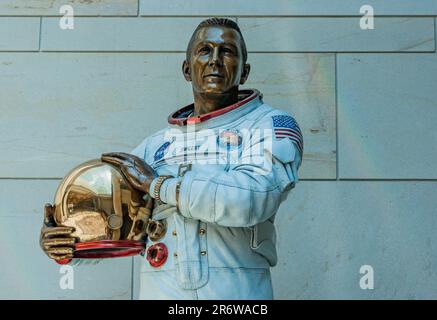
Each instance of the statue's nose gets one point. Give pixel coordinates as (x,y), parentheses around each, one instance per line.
(215,57)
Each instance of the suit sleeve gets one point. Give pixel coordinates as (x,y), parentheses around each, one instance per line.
(249,193)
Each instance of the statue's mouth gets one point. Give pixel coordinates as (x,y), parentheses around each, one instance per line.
(214,75)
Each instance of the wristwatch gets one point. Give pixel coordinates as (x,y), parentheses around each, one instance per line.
(156,190)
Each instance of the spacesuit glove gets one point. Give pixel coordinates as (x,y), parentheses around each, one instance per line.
(56,242)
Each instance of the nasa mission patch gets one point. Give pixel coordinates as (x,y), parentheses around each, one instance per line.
(159,154)
(229,139)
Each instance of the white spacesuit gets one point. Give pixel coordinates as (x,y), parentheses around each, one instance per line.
(233,167)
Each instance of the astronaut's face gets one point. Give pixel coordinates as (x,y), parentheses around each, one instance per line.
(216,62)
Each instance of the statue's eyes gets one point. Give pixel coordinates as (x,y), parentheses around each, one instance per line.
(204,49)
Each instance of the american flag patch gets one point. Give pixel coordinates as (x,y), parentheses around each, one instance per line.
(287,127)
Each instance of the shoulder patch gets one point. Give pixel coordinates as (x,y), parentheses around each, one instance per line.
(285,127)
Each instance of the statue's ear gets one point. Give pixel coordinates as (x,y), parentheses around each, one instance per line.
(245,73)
(186,70)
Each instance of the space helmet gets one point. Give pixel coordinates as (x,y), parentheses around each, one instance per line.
(100,204)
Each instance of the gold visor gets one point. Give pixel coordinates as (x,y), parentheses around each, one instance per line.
(96,200)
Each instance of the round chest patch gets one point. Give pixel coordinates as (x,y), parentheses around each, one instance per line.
(159,154)
(229,139)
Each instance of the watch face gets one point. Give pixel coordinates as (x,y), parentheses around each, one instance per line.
(96,200)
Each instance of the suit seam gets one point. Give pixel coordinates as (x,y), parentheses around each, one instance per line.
(214,204)
(242,187)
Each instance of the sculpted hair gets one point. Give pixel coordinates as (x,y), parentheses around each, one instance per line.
(218,22)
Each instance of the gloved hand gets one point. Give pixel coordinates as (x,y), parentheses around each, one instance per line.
(56,242)
(138,173)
